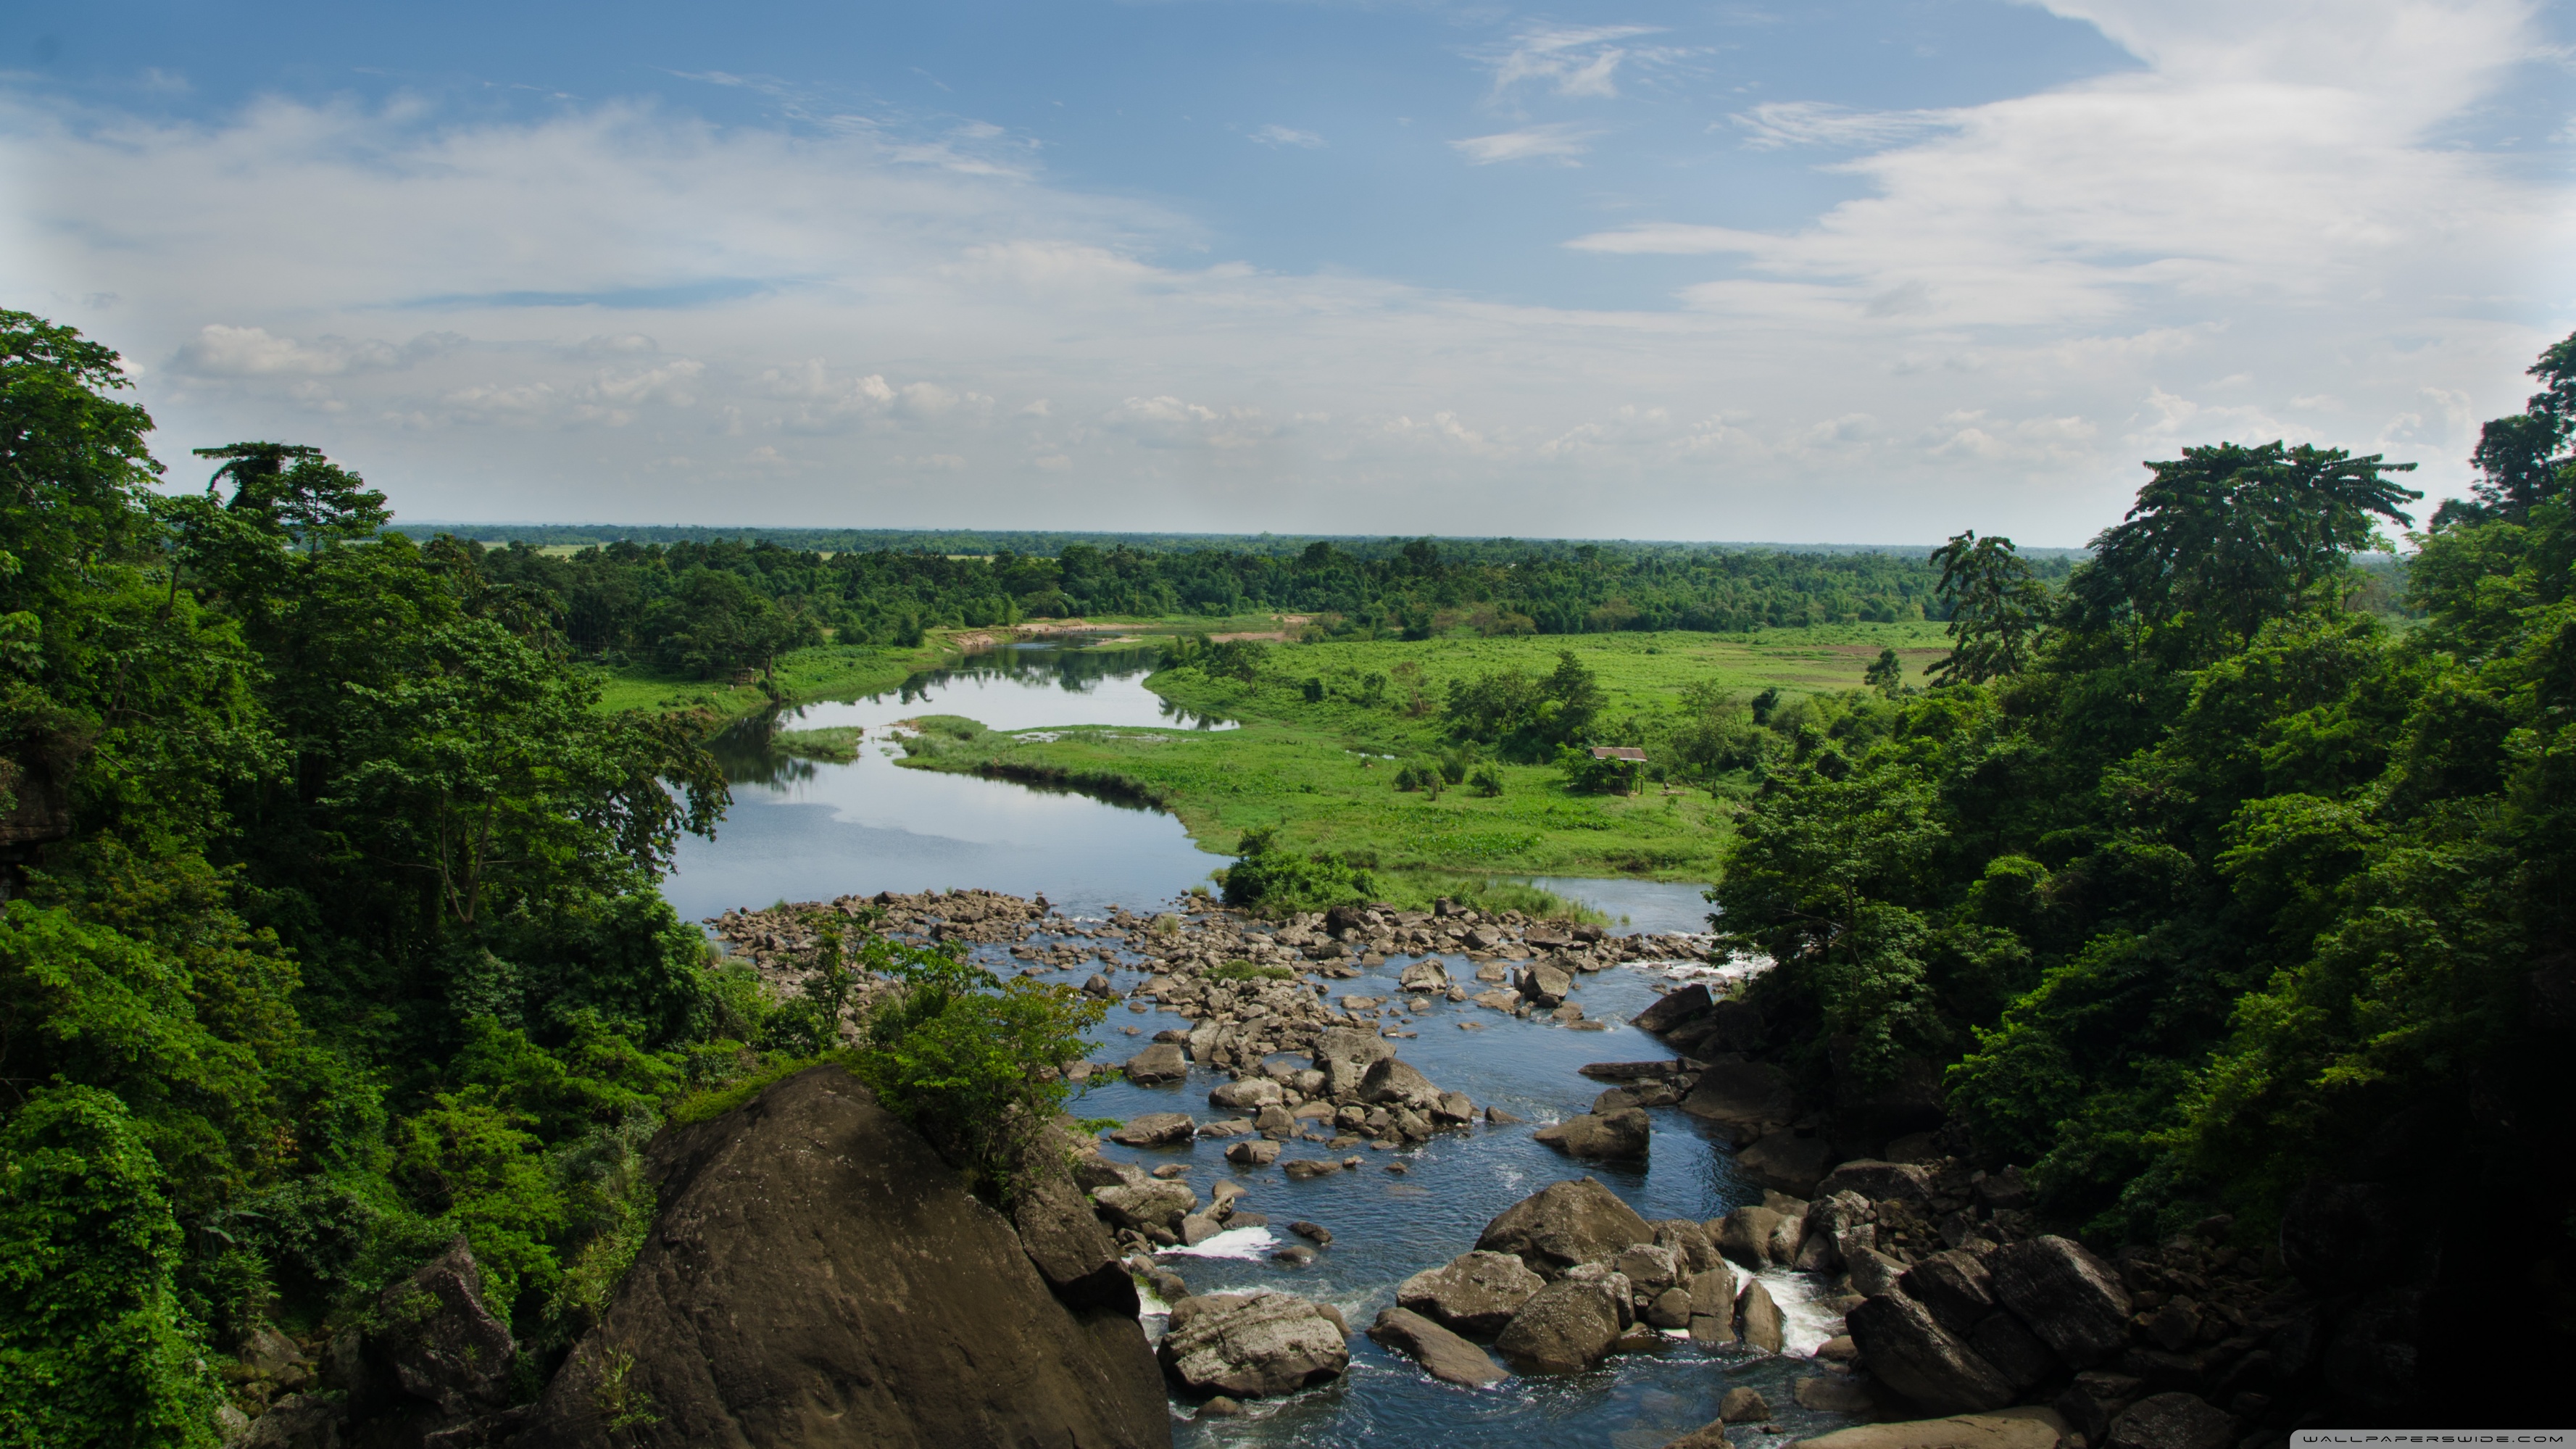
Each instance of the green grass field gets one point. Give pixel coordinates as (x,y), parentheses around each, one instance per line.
(1318,772)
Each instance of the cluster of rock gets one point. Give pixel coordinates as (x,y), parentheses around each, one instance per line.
(1353,1089)
(1568,1276)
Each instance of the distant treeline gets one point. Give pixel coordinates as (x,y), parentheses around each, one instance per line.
(1049,543)
(715,607)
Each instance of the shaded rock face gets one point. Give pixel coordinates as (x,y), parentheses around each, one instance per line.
(1879,1180)
(1563,1224)
(1161,1062)
(1910,1352)
(1252,1345)
(2172,1421)
(2070,1298)
(1069,1247)
(1672,1009)
(1477,1293)
(816,1277)
(1785,1163)
(1744,1235)
(439,1340)
(1749,1097)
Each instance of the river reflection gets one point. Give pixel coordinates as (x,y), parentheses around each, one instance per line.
(811,830)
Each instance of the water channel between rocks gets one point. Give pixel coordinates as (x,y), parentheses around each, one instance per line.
(803,830)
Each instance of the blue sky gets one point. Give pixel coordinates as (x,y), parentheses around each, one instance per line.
(1849,272)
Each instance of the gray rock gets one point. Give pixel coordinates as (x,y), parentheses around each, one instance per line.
(1711,1435)
(1785,1161)
(1424,976)
(1197,1228)
(1260,1152)
(2172,1421)
(1672,1009)
(1275,1121)
(2005,1191)
(1621,1136)
(1544,984)
(1476,1293)
(441,1343)
(1067,1245)
(1689,1240)
(2015,1351)
(1566,1327)
(1343,1055)
(1713,1294)
(1306,1167)
(1762,1322)
(1832,1394)
(1955,1286)
(1563,1224)
(1453,1108)
(1315,1233)
(1295,1255)
(1744,1235)
(1873,1272)
(1255,1345)
(1877,1181)
(1443,1355)
(1161,1062)
(1390,1082)
(1156,1129)
(1651,1267)
(1743,1405)
(1249,1095)
(1730,1026)
(2065,1295)
(1750,1098)
(297,1421)
(1910,1352)
(1154,1204)
(1670,1309)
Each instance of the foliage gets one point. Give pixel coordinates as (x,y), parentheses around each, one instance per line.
(1997,608)
(2223,888)
(1247,971)
(1275,880)
(95,1349)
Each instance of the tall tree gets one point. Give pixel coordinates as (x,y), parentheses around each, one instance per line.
(1997,608)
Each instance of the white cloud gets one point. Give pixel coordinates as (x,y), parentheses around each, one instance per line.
(619,311)
(1278,135)
(1557,140)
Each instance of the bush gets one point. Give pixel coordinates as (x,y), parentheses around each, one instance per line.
(1487,780)
(1247,971)
(1275,881)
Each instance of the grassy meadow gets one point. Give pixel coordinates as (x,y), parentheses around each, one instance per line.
(1323,774)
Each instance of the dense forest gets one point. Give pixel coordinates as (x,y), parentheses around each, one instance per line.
(331,931)
(2201,892)
(711,608)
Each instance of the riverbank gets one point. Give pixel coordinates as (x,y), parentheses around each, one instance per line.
(1318,753)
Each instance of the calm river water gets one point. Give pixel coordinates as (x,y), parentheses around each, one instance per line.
(805,831)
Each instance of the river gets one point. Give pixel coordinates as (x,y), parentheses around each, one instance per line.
(801,830)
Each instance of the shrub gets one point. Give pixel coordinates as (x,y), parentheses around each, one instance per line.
(1487,780)
(1247,971)
(1275,881)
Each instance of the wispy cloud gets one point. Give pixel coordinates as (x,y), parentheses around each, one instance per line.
(1278,135)
(1577,61)
(1779,124)
(1557,140)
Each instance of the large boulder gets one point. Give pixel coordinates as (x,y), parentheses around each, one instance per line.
(817,1276)
(1729,1026)
(1879,1181)
(1161,1062)
(1151,1204)
(1544,984)
(1251,1345)
(1620,1136)
(1750,1098)
(1744,1235)
(1764,1326)
(1390,1082)
(1671,1010)
(1343,1055)
(1565,1328)
(1422,976)
(1910,1352)
(1249,1095)
(1955,1286)
(1066,1243)
(1476,1293)
(2172,1421)
(2068,1297)
(1157,1129)
(439,1341)
(1785,1162)
(1443,1355)
(1563,1224)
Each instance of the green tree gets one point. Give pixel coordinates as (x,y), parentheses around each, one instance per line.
(1998,609)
